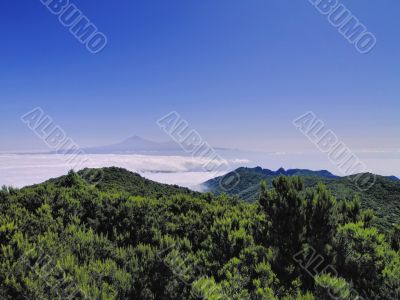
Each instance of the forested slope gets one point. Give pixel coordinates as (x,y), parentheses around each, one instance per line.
(383,197)
(70,239)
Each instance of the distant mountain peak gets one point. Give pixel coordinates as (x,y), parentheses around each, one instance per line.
(137,144)
(281,171)
(138,138)
(134,137)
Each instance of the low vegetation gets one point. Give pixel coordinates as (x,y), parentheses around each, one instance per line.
(383,197)
(129,238)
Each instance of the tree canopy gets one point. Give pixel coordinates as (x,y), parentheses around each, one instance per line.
(124,239)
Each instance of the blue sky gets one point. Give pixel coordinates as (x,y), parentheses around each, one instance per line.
(238,71)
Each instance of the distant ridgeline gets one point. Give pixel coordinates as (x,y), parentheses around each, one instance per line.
(111,234)
(383,197)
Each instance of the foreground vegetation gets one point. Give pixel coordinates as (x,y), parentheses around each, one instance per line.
(67,239)
(383,197)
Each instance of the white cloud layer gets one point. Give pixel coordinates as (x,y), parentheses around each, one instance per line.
(25,169)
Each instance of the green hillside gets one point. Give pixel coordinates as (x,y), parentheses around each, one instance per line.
(129,238)
(383,197)
(118,180)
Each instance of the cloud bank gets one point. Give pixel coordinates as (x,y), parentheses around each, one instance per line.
(19,170)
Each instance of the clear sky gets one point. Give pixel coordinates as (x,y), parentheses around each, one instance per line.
(238,71)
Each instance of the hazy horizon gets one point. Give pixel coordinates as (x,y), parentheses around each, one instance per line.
(238,73)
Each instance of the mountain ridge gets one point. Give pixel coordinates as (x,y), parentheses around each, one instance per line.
(383,197)
(121,180)
(135,144)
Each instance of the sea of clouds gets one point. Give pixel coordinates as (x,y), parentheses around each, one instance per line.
(20,170)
